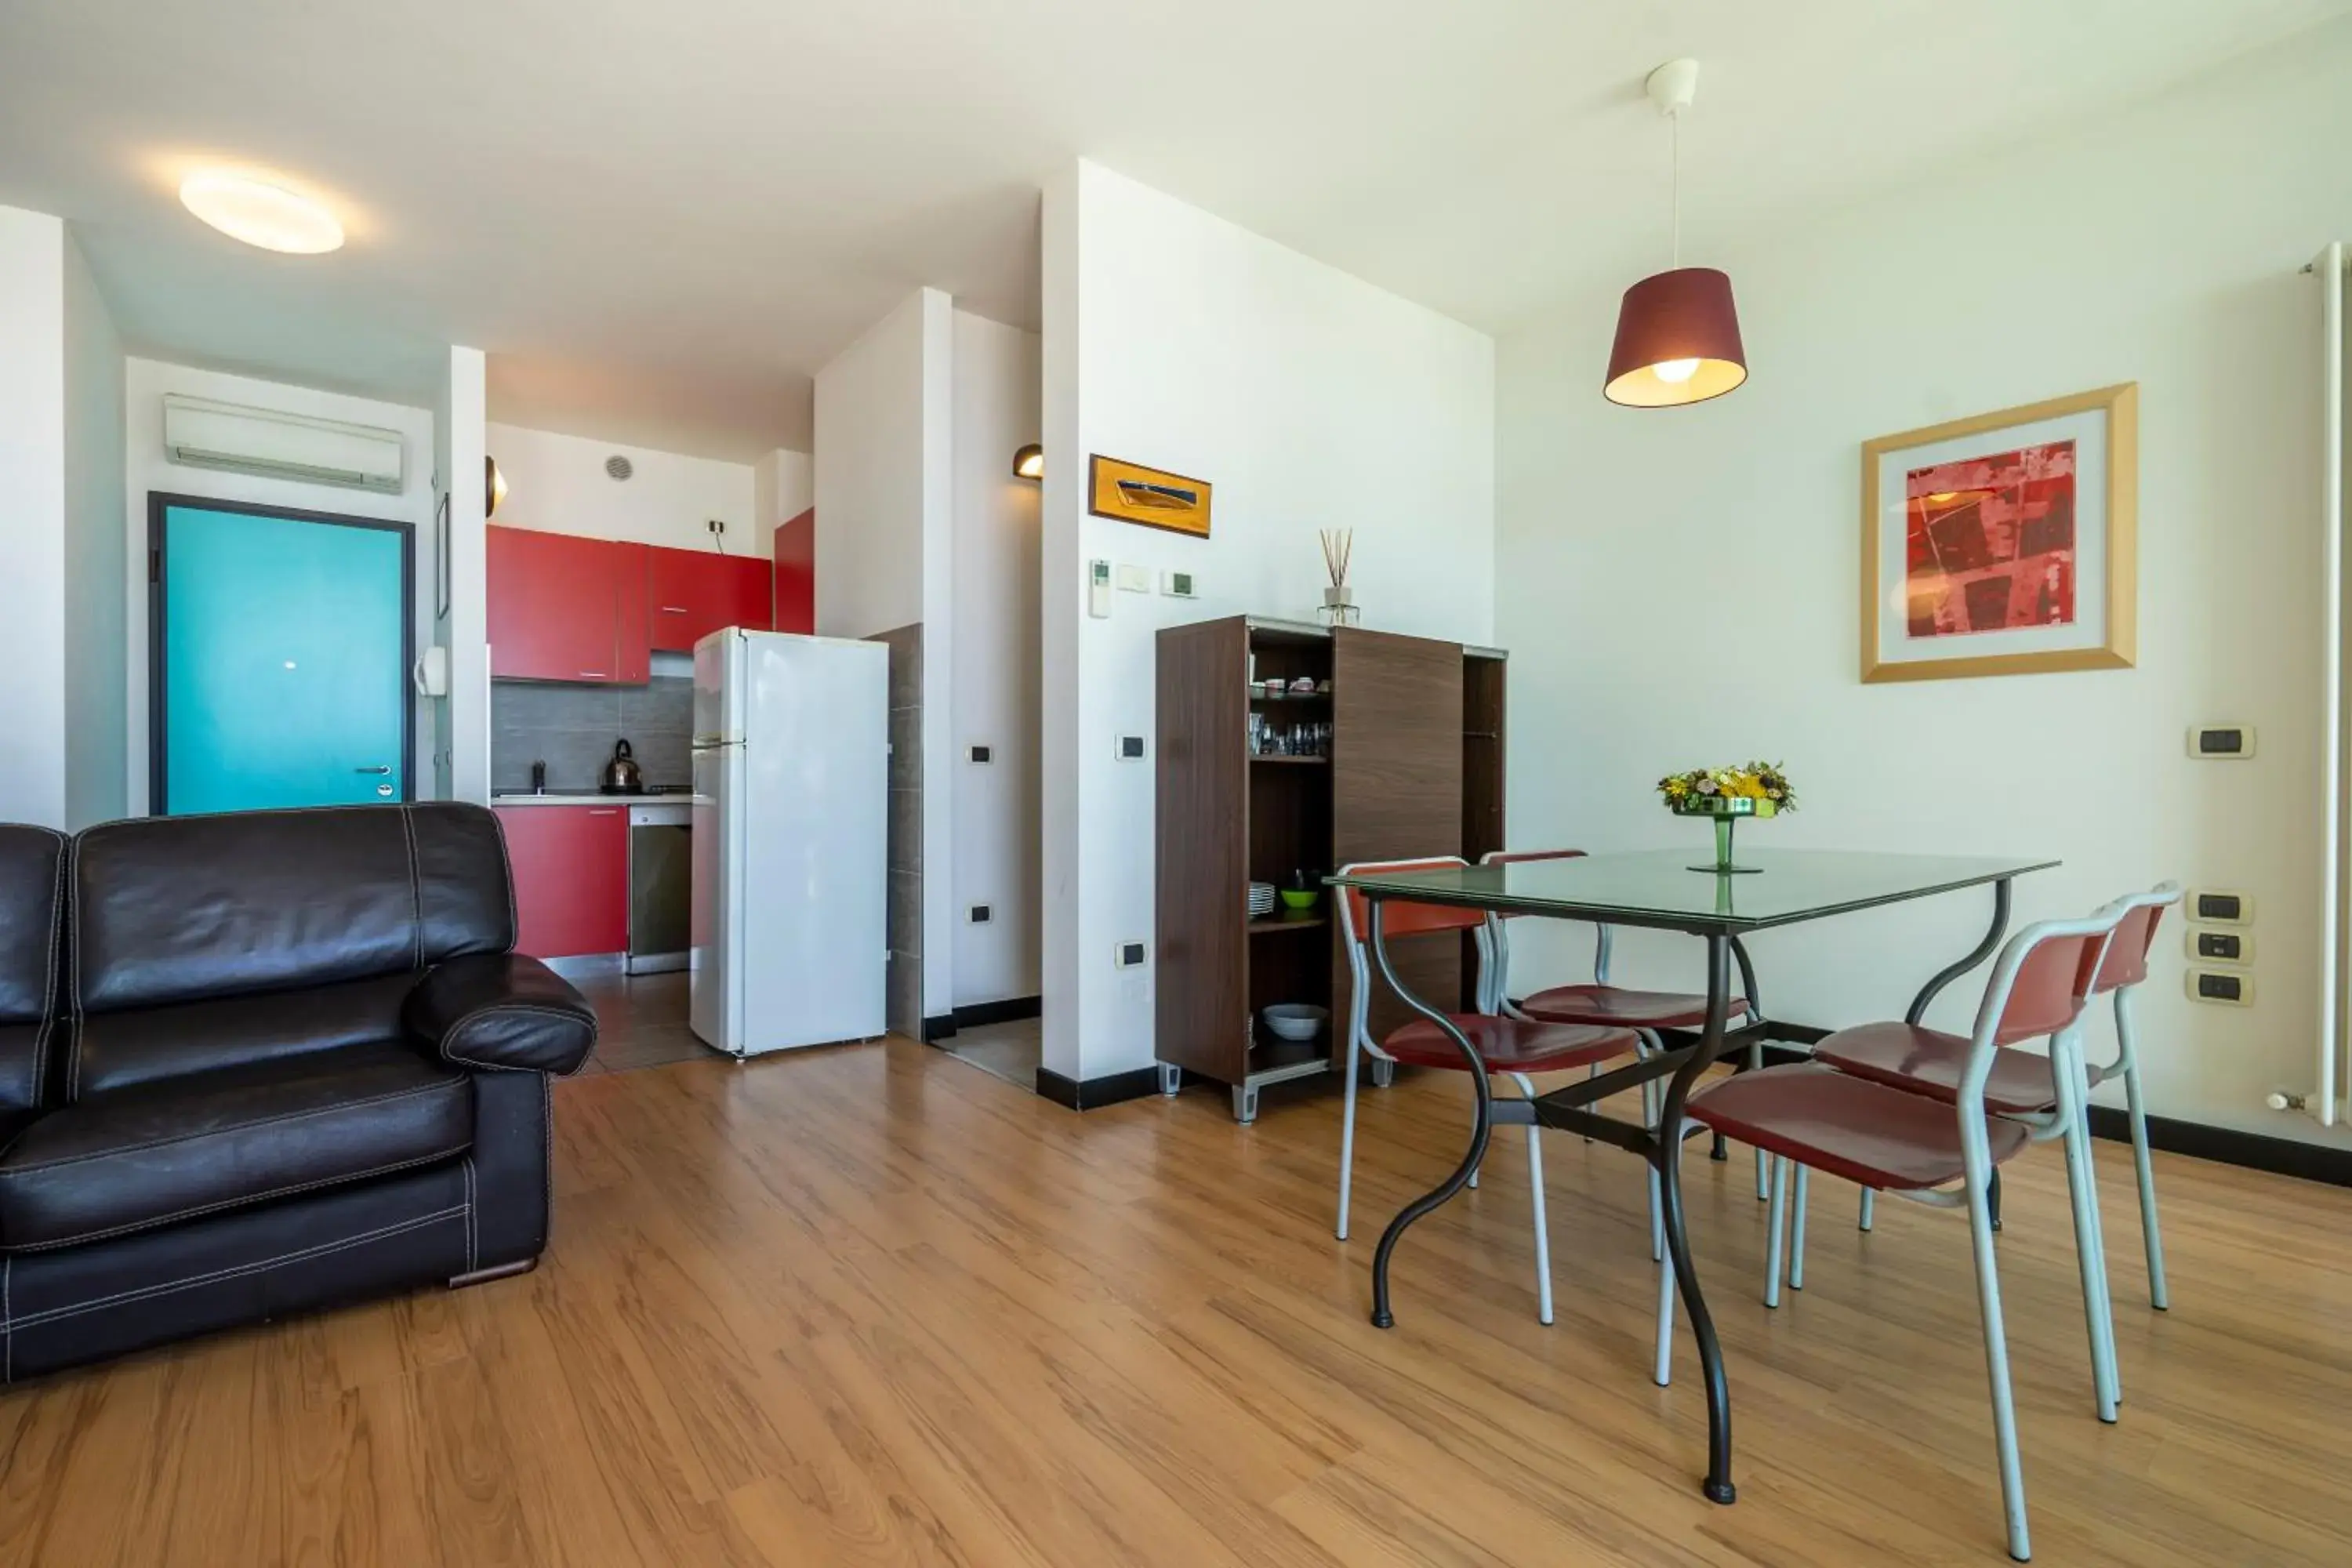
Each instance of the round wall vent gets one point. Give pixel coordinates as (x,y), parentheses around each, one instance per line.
(619,468)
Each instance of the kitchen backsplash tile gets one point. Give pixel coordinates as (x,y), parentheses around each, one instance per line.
(572,730)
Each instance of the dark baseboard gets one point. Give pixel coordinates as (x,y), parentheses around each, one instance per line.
(2224,1146)
(980,1015)
(1094,1093)
(2254,1151)
(939,1029)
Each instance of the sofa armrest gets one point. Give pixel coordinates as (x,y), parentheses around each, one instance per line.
(501,1012)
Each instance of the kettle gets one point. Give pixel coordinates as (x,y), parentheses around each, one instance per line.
(621,775)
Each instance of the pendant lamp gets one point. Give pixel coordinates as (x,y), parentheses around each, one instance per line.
(1677,331)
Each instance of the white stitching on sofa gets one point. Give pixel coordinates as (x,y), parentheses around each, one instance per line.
(470,1221)
(177,1216)
(240,1127)
(415,891)
(514,920)
(300,1255)
(73,877)
(49,980)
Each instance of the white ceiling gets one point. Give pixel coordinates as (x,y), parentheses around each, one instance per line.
(660,219)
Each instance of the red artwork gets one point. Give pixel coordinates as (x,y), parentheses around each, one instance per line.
(1990,543)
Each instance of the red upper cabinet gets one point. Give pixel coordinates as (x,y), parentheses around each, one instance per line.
(796,573)
(693,592)
(555,607)
(633,660)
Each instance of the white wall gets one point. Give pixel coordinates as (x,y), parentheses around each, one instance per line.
(147,471)
(97,689)
(558,483)
(783,486)
(465,396)
(997,676)
(884,489)
(32,517)
(1308,399)
(1678,588)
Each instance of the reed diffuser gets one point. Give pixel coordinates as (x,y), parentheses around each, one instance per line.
(1339,600)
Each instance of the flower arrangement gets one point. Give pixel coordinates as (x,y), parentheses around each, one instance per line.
(1712,792)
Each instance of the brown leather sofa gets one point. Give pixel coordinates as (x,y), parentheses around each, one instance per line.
(262,1063)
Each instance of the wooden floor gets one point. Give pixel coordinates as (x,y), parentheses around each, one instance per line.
(872,1306)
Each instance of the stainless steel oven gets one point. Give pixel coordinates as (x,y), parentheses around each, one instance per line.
(661,887)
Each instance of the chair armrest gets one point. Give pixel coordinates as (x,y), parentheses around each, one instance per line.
(501,1012)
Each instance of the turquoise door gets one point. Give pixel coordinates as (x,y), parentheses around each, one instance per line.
(281,659)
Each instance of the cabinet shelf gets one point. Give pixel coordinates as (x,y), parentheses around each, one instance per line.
(1309,921)
(1293,761)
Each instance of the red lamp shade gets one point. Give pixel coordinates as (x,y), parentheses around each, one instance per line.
(1677,341)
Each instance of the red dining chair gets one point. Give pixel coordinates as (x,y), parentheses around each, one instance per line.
(1943,1152)
(1602,1004)
(1512,1047)
(1926,1061)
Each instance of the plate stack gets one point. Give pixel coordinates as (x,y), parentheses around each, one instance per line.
(1261,900)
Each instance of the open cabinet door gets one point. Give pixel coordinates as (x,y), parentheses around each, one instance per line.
(1396,795)
(1200,997)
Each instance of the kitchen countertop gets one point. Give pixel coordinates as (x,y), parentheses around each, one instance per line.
(561,797)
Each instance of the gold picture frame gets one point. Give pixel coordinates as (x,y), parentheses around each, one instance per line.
(2016,558)
(1129,492)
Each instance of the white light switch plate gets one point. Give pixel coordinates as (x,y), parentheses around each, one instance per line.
(1134,579)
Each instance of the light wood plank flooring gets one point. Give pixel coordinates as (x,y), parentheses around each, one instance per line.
(868,1305)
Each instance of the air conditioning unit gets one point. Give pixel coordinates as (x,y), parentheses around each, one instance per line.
(202,433)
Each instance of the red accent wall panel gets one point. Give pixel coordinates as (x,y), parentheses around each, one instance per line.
(571,877)
(796,574)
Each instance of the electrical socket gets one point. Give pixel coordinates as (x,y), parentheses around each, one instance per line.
(1128,955)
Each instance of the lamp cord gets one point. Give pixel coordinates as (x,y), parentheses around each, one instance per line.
(1675,182)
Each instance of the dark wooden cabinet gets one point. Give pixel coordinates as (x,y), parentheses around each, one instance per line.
(1409,772)
(692,593)
(571,867)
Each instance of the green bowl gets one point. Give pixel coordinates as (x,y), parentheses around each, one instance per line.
(1301,898)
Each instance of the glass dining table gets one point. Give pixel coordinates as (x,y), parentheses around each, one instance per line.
(1663,889)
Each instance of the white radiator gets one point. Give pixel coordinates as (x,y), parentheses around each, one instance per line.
(2334,922)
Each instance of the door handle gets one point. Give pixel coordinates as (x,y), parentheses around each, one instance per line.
(672,609)
(385,769)
(594,675)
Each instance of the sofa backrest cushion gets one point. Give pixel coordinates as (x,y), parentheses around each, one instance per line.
(32,887)
(179,908)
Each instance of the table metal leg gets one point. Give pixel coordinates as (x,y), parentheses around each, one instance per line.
(1482,1129)
(1663,1150)
(1982,951)
(1918,1011)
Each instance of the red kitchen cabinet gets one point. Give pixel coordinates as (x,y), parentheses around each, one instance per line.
(559,604)
(571,877)
(633,656)
(693,592)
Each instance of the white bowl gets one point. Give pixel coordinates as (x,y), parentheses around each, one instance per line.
(1296,1020)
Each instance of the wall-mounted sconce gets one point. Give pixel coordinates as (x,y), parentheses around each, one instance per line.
(495,487)
(1029,463)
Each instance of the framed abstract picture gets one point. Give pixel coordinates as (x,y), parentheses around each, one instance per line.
(2003,544)
(1133,493)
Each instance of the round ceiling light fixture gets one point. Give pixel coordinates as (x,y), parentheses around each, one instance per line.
(261,213)
(1677,331)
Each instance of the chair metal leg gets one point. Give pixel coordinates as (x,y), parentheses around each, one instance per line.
(1797,1231)
(2084,1196)
(1763,1160)
(1346,1141)
(2004,1410)
(1869,1208)
(1662,1371)
(1780,1202)
(1543,1228)
(2157,1296)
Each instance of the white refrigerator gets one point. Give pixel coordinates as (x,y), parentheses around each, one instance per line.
(790,937)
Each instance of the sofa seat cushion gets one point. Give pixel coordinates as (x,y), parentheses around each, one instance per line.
(149,1156)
